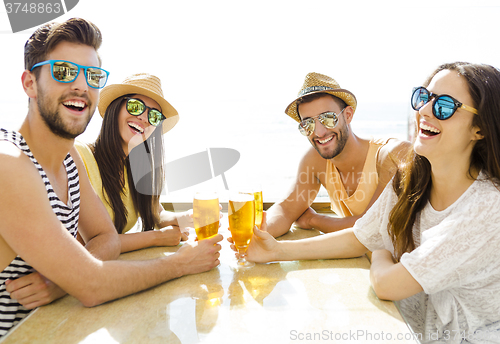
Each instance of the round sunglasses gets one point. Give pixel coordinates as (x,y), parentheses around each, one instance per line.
(66,72)
(443,106)
(136,107)
(327,119)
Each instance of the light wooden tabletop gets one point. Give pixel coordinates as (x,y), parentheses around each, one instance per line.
(284,302)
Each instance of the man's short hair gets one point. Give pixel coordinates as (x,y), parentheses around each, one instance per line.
(309,98)
(46,38)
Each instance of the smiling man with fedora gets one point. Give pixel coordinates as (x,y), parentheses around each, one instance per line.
(354,171)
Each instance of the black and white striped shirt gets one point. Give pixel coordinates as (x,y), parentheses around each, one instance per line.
(11,312)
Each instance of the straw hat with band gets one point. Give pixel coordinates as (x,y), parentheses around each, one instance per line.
(145,84)
(319,83)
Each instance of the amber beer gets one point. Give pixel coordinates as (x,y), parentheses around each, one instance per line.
(206,215)
(241,214)
(259,205)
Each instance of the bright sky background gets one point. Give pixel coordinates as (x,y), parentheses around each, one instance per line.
(231,67)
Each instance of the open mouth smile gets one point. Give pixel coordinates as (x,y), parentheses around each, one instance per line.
(137,128)
(75,105)
(323,141)
(428,130)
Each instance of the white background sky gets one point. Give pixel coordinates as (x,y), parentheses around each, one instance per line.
(231,67)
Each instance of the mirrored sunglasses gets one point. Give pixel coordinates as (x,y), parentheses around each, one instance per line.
(443,106)
(66,72)
(327,119)
(136,107)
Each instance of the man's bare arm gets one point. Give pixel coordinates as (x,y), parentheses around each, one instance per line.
(94,224)
(283,214)
(325,223)
(42,241)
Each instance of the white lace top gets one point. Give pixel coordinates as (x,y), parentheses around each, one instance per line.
(457,263)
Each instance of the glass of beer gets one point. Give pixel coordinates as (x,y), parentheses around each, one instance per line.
(241,214)
(259,205)
(206,214)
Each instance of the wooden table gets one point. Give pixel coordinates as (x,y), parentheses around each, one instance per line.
(328,301)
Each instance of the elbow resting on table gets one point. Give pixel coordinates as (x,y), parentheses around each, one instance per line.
(383,287)
(90,298)
(91,293)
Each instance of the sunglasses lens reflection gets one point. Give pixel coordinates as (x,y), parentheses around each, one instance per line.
(420,98)
(155,117)
(64,71)
(306,127)
(329,121)
(135,107)
(444,107)
(96,77)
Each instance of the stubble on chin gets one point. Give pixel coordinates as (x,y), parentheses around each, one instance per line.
(56,123)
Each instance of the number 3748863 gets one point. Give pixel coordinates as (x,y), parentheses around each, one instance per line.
(19,7)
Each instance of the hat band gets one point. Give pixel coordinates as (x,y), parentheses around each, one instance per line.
(314,89)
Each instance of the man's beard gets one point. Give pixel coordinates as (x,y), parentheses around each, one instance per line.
(341,142)
(53,119)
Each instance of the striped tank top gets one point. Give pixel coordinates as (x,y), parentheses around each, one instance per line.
(11,312)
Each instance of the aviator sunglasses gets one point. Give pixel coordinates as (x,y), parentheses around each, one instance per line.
(443,106)
(136,107)
(66,72)
(328,119)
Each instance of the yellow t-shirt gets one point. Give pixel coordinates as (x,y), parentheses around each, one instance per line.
(341,203)
(95,180)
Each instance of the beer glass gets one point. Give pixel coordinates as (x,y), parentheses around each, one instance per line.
(206,214)
(259,205)
(241,214)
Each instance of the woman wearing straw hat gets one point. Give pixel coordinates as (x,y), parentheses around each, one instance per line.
(125,165)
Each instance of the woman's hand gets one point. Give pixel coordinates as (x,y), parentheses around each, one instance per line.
(171,236)
(263,247)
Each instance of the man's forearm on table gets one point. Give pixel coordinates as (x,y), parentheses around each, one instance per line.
(329,224)
(105,246)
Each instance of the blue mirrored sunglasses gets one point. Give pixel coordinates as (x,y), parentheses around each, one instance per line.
(443,106)
(66,72)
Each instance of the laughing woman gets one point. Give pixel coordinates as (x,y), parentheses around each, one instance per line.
(435,232)
(125,163)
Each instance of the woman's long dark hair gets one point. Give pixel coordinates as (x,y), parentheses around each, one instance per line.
(412,182)
(147,161)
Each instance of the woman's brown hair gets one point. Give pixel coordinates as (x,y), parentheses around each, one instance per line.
(112,163)
(412,182)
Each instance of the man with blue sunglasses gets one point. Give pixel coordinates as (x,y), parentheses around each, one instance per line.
(46,197)
(354,171)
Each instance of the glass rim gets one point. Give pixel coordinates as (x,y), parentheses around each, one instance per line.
(206,195)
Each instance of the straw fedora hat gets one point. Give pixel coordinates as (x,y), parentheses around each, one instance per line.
(319,83)
(145,84)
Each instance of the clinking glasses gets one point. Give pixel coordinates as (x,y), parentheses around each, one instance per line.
(136,107)
(328,119)
(443,106)
(66,72)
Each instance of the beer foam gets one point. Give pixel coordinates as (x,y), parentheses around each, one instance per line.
(241,197)
(206,196)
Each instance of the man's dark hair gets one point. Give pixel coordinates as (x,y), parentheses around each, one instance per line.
(46,38)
